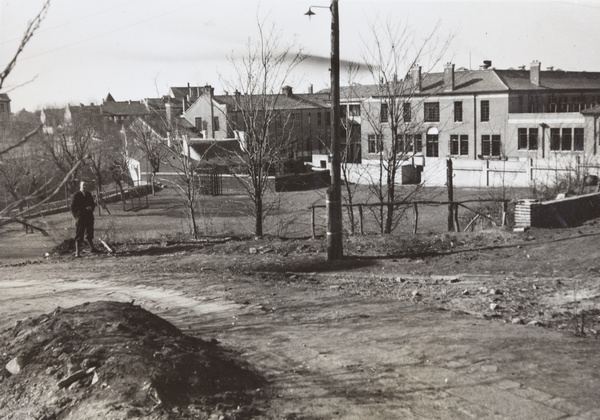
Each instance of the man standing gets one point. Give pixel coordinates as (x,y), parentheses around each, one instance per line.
(82,208)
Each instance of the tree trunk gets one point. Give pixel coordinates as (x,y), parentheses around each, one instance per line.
(258,228)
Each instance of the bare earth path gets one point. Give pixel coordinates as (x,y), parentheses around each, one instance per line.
(330,352)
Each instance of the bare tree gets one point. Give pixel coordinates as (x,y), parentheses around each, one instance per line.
(265,127)
(12,212)
(182,159)
(395,51)
(105,149)
(145,135)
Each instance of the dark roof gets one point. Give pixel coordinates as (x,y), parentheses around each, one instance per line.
(4,97)
(595,110)
(179,92)
(555,79)
(281,101)
(489,80)
(124,109)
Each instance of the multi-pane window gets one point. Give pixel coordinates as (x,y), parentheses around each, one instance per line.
(383,113)
(432,111)
(578,139)
(409,143)
(216,124)
(432,145)
(319,121)
(566,139)
(528,138)
(459,145)
(375,143)
(198,123)
(406,112)
(458,112)
(490,145)
(485,111)
(354,110)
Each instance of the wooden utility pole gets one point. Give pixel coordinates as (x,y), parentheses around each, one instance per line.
(333,201)
(334,193)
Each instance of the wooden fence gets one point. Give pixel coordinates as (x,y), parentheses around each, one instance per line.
(452,212)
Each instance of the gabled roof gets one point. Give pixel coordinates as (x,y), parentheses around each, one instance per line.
(4,97)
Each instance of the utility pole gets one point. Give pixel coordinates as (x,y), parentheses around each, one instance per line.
(333,201)
(334,193)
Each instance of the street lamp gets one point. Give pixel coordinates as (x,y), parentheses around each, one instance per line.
(333,201)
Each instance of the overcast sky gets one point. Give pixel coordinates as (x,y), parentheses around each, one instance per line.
(136,49)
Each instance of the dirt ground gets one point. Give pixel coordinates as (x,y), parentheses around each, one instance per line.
(491,324)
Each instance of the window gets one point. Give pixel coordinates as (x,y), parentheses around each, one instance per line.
(555,139)
(409,143)
(383,113)
(406,112)
(528,138)
(432,112)
(354,110)
(459,145)
(578,139)
(458,114)
(566,139)
(198,123)
(485,111)
(216,125)
(432,145)
(375,143)
(490,145)
(328,117)
(319,121)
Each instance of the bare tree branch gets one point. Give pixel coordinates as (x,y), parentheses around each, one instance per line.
(32,27)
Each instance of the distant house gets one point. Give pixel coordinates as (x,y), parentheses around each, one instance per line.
(308,118)
(4,104)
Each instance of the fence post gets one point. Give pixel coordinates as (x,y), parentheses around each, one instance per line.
(504,212)
(450,195)
(312,222)
(456,226)
(416,211)
(360,218)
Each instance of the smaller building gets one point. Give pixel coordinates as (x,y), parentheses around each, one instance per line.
(4,104)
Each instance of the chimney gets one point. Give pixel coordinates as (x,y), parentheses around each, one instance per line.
(310,89)
(534,72)
(169,112)
(287,91)
(415,77)
(238,96)
(189,90)
(486,65)
(449,77)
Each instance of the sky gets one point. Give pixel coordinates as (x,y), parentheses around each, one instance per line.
(136,49)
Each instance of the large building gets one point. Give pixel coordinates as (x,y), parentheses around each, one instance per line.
(510,127)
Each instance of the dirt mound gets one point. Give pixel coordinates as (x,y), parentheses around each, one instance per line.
(117,360)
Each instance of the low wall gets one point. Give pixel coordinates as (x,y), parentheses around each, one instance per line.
(569,211)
